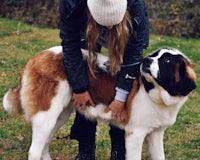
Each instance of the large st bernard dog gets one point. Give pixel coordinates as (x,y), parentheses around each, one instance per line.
(44,95)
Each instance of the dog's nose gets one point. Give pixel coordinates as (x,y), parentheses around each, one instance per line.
(147,61)
(146,64)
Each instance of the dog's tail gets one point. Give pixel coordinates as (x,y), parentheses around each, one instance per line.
(11,101)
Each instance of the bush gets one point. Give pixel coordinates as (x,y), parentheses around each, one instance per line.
(167,17)
(39,12)
(176,18)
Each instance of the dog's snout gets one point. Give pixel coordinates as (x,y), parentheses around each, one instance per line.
(147,61)
(146,64)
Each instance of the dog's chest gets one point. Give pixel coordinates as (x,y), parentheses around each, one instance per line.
(147,113)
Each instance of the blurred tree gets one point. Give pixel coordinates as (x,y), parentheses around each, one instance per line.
(178,18)
(167,17)
(40,12)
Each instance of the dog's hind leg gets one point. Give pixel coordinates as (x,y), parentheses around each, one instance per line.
(62,119)
(45,123)
(44,126)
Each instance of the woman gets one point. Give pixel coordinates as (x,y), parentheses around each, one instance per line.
(120,25)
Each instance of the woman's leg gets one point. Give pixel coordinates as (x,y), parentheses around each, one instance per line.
(118,150)
(84,131)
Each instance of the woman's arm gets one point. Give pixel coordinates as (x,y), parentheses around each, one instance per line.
(71,23)
(139,39)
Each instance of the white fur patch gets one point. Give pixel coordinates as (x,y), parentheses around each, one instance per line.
(154,68)
(56,49)
(22,96)
(97,112)
(6,104)
(57,104)
(101,59)
(171,51)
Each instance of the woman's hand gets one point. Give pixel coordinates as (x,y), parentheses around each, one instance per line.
(82,100)
(118,110)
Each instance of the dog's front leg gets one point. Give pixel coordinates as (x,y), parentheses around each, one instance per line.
(134,142)
(155,144)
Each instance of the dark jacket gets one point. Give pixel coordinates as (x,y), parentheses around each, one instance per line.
(73,20)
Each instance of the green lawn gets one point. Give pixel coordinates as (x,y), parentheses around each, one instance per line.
(19,42)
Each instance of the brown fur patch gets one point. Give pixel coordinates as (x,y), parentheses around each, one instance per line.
(128,134)
(191,73)
(43,74)
(190,70)
(102,87)
(177,75)
(130,98)
(102,90)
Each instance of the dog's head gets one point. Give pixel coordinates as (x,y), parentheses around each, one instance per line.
(169,69)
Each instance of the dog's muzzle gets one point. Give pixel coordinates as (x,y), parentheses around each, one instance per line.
(146,64)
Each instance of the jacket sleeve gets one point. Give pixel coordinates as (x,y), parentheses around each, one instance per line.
(70,26)
(139,39)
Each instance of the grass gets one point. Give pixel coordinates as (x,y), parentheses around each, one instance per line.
(19,42)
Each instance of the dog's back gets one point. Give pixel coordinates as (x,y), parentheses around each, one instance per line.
(38,79)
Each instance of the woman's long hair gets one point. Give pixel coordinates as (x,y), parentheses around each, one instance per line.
(116,38)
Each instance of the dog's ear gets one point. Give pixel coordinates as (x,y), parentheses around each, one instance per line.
(187,78)
(186,86)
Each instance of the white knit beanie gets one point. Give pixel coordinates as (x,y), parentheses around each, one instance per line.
(107,12)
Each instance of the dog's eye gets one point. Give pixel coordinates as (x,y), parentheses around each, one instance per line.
(166,60)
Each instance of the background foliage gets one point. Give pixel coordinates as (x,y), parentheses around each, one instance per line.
(39,12)
(168,17)
(175,18)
